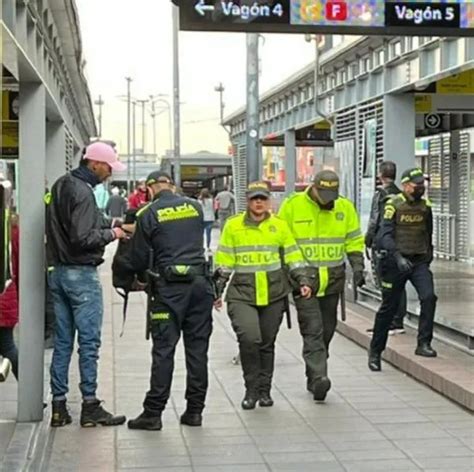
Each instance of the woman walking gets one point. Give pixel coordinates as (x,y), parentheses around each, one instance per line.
(207,203)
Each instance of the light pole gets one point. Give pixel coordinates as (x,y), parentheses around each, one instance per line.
(220,89)
(134,138)
(143,103)
(176,104)
(100,104)
(129,143)
(154,99)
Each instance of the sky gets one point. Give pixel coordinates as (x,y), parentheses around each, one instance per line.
(134,38)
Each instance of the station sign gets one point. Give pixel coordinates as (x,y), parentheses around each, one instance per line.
(360,17)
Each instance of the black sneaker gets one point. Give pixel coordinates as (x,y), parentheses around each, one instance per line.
(265,400)
(375,364)
(191,419)
(146,421)
(425,350)
(93,414)
(60,416)
(320,389)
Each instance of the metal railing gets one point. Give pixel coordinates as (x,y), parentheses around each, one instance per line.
(444,235)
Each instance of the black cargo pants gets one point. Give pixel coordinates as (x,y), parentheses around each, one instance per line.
(256,329)
(393,286)
(175,308)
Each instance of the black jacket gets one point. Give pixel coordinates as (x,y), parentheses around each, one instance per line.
(376,211)
(172,227)
(76,230)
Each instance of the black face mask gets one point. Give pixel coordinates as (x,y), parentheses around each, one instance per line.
(418,192)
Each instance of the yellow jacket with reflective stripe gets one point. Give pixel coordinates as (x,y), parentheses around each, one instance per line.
(254,252)
(325,237)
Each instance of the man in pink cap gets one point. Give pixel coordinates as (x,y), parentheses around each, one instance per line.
(77,234)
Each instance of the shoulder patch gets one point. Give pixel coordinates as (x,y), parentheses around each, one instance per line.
(389,212)
(428,202)
(142,210)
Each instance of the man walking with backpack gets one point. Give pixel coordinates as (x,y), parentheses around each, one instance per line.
(226,205)
(387,176)
(77,233)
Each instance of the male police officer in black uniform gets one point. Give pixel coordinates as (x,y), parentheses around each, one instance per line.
(387,176)
(171,227)
(405,237)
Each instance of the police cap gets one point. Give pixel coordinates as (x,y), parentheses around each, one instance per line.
(159,176)
(258,189)
(327,184)
(414,175)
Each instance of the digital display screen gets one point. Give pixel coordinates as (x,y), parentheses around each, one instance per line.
(383,17)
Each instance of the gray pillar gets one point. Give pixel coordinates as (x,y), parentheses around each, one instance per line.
(290,161)
(55,151)
(31,209)
(455,192)
(399,131)
(254,167)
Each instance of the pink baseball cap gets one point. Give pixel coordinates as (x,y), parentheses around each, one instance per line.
(102,152)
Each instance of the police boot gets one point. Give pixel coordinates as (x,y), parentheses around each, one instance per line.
(93,414)
(250,400)
(146,421)
(321,387)
(191,419)
(374,362)
(265,399)
(60,416)
(425,350)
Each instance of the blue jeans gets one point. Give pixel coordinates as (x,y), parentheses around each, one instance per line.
(78,305)
(8,348)
(208,232)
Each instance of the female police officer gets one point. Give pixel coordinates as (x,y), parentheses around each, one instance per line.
(254,245)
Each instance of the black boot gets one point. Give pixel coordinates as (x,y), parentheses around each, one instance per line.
(93,414)
(425,350)
(320,389)
(374,362)
(191,419)
(265,400)
(249,401)
(60,416)
(146,421)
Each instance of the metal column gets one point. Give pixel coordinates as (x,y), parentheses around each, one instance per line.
(254,167)
(290,161)
(176,95)
(399,131)
(55,151)
(32,213)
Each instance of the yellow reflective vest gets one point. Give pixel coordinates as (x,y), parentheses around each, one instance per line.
(325,237)
(253,252)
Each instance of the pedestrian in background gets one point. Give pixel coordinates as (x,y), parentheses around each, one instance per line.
(225,205)
(77,233)
(139,196)
(117,205)
(386,189)
(207,203)
(255,246)
(9,303)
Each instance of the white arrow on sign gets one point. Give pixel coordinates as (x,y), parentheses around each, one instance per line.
(433,120)
(202,8)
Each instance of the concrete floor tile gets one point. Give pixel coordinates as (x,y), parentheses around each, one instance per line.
(404,465)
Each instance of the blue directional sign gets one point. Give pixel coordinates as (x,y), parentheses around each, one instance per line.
(365,17)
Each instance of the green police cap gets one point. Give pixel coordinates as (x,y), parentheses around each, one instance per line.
(159,176)
(258,189)
(414,175)
(327,184)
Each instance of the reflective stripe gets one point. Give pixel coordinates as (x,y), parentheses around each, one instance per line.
(354,234)
(256,248)
(50,268)
(251,269)
(297,265)
(225,249)
(321,241)
(323,281)
(318,264)
(290,249)
(261,288)
(387,284)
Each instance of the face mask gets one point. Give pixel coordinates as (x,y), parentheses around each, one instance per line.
(418,192)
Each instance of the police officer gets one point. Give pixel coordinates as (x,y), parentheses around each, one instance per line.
(254,246)
(387,176)
(405,237)
(171,228)
(326,227)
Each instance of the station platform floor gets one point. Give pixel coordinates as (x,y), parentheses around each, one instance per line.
(370,421)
